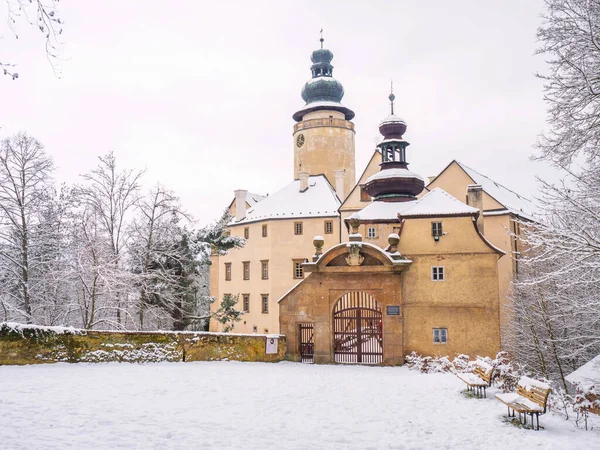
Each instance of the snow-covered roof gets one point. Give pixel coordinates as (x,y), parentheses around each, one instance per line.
(437,202)
(587,374)
(382,211)
(392,118)
(252,199)
(394,173)
(512,201)
(319,200)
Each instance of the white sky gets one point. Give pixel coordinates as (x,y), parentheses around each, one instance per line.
(201,94)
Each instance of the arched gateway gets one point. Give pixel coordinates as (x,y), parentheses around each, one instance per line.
(357,329)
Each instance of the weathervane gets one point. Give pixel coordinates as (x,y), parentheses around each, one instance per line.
(392,97)
(321,38)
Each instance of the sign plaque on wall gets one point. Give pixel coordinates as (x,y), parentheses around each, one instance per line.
(392,310)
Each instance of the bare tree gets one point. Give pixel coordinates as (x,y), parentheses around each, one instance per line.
(109,195)
(25,172)
(556,298)
(570,40)
(42,14)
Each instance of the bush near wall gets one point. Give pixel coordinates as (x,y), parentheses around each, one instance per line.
(30,344)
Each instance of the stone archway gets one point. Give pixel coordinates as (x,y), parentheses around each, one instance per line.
(357,329)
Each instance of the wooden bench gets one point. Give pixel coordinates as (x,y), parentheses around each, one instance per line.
(531,398)
(480,378)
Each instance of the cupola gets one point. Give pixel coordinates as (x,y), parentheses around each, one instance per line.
(322,91)
(394,182)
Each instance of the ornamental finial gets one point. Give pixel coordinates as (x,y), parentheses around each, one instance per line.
(392,97)
(321,38)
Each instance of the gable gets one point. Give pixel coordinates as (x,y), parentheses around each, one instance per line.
(353,202)
(454,180)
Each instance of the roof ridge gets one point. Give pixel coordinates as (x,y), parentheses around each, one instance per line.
(493,181)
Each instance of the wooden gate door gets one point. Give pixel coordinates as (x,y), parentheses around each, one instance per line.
(357,329)
(307,342)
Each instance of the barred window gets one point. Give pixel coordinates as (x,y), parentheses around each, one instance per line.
(265,303)
(246,233)
(440,335)
(246,265)
(298,269)
(227,271)
(437,273)
(246,305)
(264,231)
(297,228)
(329,227)
(265,270)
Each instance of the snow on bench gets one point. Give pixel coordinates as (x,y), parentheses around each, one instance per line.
(480,378)
(531,398)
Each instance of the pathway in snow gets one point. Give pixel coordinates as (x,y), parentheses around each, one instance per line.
(256,406)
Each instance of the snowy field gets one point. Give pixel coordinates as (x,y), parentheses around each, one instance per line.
(256,406)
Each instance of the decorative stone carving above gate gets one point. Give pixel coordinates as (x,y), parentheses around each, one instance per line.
(354,257)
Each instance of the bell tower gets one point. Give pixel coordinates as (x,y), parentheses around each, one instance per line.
(324,135)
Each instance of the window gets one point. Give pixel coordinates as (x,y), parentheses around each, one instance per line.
(264,231)
(265,303)
(440,335)
(371,232)
(246,270)
(437,273)
(329,227)
(264,273)
(396,230)
(364,197)
(246,304)
(247,233)
(298,269)
(297,228)
(436,229)
(227,271)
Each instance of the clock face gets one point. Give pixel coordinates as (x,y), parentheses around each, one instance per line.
(300,140)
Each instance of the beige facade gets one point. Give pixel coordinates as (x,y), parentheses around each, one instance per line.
(323,144)
(464,305)
(280,250)
(499,226)
(323,197)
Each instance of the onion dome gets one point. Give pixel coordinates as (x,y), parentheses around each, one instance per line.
(394,182)
(322,91)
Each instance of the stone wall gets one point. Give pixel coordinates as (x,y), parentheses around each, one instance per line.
(24,344)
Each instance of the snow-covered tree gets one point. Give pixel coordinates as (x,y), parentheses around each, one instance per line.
(41,14)
(556,297)
(25,182)
(107,198)
(570,42)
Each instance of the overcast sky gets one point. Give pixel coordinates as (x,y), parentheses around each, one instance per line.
(201,94)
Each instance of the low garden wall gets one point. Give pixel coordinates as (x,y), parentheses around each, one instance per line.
(29,344)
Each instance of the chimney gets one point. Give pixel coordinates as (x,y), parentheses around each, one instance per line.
(339,183)
(303,176)
(475,199)
(240,204)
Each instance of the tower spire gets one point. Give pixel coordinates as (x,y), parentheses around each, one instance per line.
(392,97)
(322,40)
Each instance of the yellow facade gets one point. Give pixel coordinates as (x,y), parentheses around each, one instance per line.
(324,143)
(280,249)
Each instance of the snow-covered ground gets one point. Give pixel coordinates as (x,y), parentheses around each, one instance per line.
(256,406)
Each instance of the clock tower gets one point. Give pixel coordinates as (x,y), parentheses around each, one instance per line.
(324,135)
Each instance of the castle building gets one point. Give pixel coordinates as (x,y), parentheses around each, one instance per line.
(369,271)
